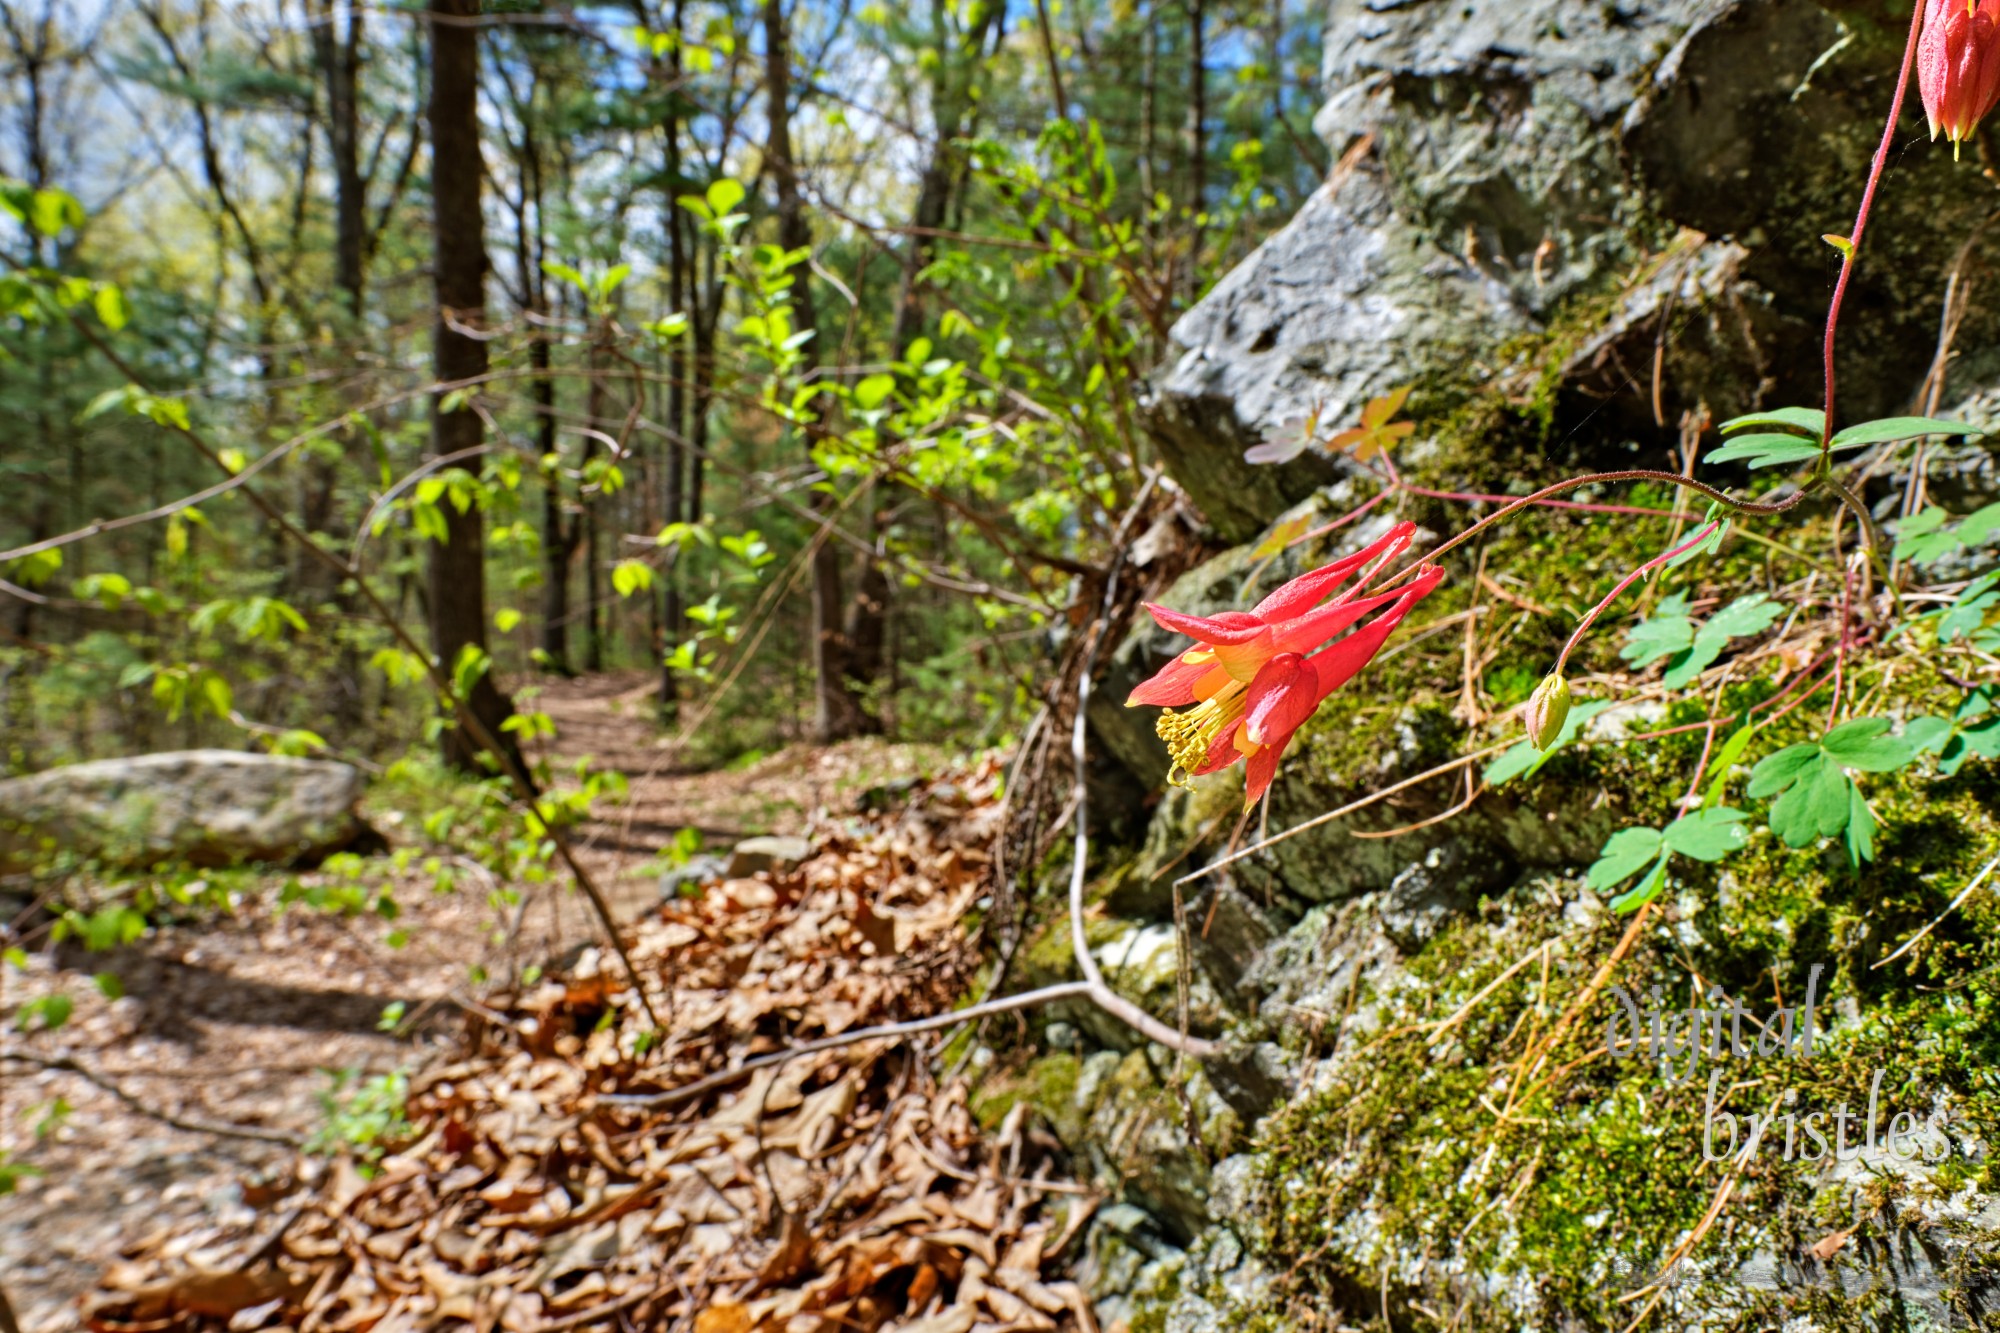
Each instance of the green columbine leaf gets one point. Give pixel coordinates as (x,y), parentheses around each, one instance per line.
(1981,740)
(1916,525)
(1725,759)
(1741,618)
(1707,835)
(1778,771)
(1927,735)
(1766,450)
(1662,636)
(1807,420)
(1865,744)
(1967,611)
(1979,526)
(1815,806)
(1861,828)
(1898,428)
(1710,544)
(1930,536)
(1624,855)
(1649,889)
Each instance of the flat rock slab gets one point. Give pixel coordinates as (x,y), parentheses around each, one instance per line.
(206,807)
(776,854)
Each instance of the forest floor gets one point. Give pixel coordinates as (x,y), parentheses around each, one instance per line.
(165,1124)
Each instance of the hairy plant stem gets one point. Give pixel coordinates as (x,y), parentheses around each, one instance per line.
(1591,616)
(1852,250)
(1591,479)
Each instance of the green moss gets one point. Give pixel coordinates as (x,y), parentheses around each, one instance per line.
(1580,1180)
(1047,1084)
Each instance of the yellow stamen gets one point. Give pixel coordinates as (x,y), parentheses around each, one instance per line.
(1190,732)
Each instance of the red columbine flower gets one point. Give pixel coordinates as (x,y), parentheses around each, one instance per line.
(1253,675)
(1958,65)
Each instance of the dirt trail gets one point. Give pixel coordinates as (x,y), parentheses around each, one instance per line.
(237,1020)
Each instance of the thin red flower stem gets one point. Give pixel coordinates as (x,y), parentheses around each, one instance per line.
(1701,764)
(1746,714)
(1853,250)
(1343,520)
(1472,497)
(1803,696)
(1597,479)
(1590,617)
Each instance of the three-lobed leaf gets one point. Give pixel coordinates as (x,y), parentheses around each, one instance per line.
(1865,744)
(1769,450)
(1889,429)
(1708,834)
(1624,855)
(1806,420)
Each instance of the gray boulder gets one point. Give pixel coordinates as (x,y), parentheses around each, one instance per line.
(1531,189)
(777,854)
(207,807)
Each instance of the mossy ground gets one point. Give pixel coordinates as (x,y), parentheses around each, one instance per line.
(1569,1188)
(1580,1179)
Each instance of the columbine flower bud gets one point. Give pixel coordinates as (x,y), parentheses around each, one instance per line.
(1958,65)
(1547,710)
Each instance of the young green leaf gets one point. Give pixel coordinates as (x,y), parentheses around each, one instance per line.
(1778,771)
(1624,855)
(1814,806)
(1766,450)
(1662,636)
(1723,760)
(1671,633)
(1927,735)
(1806,420)
(1648,889)
(1865,744)
(1888,429)
(1710,544)
(1861,828)
(1708,834)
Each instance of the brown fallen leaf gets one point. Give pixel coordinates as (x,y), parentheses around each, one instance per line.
(728,1317)
(793,1255)
(1829,1245)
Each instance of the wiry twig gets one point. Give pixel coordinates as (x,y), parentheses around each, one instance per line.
(1950,907)
(191,1124)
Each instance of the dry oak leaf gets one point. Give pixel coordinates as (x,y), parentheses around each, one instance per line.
(728,1317)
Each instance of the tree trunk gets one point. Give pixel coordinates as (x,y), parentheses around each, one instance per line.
(457,574)
(559,534)
(1194,136)
(339,57)
(681,296)
(836,713)
(586,522)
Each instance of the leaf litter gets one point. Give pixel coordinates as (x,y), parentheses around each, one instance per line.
(546,1186)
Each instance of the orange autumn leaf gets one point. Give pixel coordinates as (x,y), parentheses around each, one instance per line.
(1377,430)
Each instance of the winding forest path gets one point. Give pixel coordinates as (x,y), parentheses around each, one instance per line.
(239,1021)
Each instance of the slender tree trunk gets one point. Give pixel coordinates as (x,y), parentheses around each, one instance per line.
(339,56)
(1149,56)
(837,713)
(681,296)
(1194,135)
(586,520)
(559,532)
(457,574)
